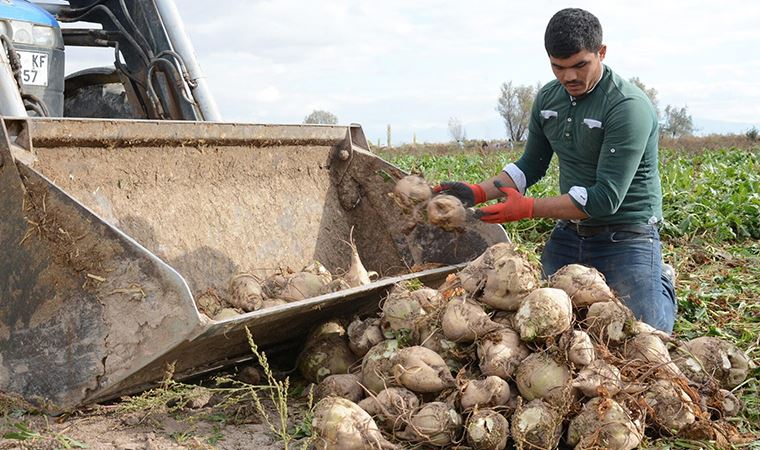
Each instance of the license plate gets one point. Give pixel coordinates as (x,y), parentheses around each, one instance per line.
(34,68)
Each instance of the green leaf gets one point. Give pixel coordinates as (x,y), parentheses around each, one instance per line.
(23,434)
(385,176)
(68,442)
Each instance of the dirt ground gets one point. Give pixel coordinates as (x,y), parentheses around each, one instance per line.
(144,423)
(100,429)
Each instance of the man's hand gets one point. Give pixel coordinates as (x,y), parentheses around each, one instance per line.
(514,207)
(469,194)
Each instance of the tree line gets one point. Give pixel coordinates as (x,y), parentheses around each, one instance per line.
(515,102)
(514,105)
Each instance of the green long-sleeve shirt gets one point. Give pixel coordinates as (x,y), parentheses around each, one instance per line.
(606,143)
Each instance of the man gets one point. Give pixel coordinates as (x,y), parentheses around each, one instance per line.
(603,130)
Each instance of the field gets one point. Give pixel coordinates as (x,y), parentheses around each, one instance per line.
(711,235)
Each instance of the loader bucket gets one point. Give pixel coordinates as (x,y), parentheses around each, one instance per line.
(110,229)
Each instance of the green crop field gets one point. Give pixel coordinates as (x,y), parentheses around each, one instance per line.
(711,234)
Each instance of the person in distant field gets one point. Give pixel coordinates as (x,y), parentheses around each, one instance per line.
(604,132)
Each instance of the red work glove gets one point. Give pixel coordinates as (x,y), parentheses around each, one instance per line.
(468,194)
(514,207)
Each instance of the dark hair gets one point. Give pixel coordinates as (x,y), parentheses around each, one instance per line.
(572,30)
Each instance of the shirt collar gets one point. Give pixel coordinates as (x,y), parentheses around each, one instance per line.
(572,99)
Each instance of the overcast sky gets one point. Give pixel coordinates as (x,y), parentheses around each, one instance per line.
(414,64)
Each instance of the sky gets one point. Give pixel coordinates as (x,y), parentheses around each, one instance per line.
(416,64)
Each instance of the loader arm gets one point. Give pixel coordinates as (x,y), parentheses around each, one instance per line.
(153,55)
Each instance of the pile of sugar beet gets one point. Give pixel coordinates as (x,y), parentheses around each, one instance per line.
(247,292)
(496,354)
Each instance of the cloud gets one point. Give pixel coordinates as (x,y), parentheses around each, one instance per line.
(267,95)
(415,64)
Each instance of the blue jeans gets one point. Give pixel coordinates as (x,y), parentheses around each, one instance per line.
(631,261)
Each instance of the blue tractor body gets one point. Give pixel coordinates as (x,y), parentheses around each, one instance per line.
(26,11)
(34,44)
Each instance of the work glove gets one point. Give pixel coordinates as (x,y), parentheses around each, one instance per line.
(468,194)
(514,207)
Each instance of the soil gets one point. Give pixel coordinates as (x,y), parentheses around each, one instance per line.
(107,427)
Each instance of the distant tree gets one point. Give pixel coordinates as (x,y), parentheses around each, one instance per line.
(456,130)
(650,92)
(677,122)
(514,105)
(752,134)
(321,117)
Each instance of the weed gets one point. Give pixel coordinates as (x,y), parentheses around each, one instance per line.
(216,435)
(174,396)
(69,443)
(414,284)
(404,337)
(302,428)
(181,436)
(217,417)
(24,433)
(170,396)
(278,396)
(30,437)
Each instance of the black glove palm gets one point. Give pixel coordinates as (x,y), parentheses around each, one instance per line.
(468,194)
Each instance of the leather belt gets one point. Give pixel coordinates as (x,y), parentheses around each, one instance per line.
(592,230)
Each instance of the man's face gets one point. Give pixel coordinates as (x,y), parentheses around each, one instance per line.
(579,72)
